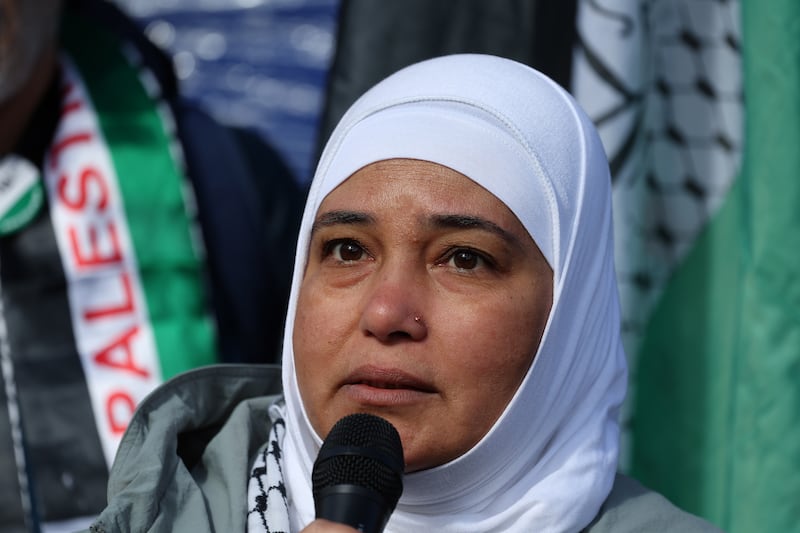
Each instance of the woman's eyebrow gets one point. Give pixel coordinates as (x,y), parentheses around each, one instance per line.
(343,217)
(335,218)
(474,222)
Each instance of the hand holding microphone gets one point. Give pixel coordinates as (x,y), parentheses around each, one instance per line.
(358,475)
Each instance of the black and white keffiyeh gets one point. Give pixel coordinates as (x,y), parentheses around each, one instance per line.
(267,506)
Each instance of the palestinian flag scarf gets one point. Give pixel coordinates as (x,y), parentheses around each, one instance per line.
(101,289)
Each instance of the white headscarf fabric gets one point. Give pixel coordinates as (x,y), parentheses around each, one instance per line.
(549,462)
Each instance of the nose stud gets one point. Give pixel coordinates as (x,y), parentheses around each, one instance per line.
(418,320)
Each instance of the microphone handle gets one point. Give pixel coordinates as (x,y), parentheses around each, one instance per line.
(358,507)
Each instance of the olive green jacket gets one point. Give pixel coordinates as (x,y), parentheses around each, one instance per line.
(185,461)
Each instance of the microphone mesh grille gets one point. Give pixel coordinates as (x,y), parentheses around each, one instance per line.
(364,450)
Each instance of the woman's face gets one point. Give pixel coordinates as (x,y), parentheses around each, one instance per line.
(423,301)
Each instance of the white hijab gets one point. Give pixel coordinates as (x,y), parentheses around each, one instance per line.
(549,462)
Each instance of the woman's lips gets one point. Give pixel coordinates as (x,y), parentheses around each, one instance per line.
(385,386)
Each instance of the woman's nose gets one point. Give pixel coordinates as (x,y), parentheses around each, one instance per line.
(394,308)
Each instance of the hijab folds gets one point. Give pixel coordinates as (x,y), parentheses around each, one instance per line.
(549,461)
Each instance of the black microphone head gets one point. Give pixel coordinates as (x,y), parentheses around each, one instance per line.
(359,464)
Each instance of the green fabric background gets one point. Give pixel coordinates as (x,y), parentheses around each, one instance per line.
(717,412)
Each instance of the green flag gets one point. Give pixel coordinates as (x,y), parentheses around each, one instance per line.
(716,424)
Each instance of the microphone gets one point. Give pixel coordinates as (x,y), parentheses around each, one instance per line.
(358,475)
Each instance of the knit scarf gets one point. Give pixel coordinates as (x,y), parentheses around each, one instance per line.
(117,191)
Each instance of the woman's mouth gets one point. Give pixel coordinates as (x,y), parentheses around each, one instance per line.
(371,385)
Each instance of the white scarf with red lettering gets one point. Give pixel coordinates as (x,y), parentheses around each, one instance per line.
(549,462)
(113,332)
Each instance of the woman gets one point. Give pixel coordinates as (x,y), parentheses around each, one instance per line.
(454,275)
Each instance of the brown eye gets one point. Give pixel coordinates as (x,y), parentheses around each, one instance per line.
(465,260)
(348,251)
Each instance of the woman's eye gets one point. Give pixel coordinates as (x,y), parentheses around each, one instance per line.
(466,260)
(346,251)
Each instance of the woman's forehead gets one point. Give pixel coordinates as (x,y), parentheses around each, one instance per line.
(416,181)
(460,136)
(422,191)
